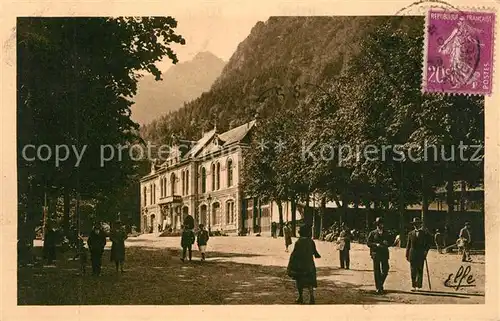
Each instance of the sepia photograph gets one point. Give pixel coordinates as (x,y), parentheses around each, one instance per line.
(211,159)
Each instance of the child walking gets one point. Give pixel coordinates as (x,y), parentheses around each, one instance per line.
(187,241)
(301,266)
(202,237)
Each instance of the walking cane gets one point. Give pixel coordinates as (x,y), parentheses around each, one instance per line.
(428,276)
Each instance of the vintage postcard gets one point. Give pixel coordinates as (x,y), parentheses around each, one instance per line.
(250,160)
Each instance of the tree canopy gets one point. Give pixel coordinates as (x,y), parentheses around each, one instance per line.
(76,80)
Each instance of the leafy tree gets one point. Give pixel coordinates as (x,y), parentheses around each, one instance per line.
(77,77)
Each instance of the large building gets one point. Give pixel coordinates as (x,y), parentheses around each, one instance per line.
(202,178)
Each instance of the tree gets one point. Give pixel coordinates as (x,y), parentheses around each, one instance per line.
(389,109)
(76,80)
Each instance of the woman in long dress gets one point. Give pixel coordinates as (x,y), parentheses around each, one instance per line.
(118,237)
(301,266)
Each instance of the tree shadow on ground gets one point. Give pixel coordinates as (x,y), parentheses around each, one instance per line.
(156,276)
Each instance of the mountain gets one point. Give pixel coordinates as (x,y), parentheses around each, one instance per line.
(181,83)
(284,51)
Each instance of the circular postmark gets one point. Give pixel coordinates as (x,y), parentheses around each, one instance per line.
(421,7)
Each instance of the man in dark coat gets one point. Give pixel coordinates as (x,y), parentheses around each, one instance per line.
(418,244)
(344,247)
(187,241)
(378,241)
(96,243)
(188,222)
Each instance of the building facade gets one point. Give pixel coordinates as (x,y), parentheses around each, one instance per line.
(200,178)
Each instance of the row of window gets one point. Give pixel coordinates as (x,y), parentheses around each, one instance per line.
(216,185)
(216,182)
(173,184)
(216,217)
(152,194)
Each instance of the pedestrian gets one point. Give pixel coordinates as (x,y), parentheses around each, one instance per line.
(439,241)
(49,244)
(344,247)
(118,236)
(466,237)
(96,243)
(301,265)
(378,241)
(187,241)
(287,232)
(273,229)
(188,222)
(202,240)
(417,246)
(81,253)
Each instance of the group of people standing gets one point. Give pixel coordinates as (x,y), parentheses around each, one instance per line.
(97,241)
(188,238)
(301,265)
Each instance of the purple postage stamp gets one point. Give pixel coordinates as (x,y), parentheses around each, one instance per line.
(458,56)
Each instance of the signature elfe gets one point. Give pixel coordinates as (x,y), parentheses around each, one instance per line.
(462,278)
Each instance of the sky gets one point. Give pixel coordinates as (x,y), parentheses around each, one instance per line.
(220,34)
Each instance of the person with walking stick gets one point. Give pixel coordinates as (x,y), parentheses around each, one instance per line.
(418,245)
(379,241)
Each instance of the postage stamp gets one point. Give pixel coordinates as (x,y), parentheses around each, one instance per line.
(458,57)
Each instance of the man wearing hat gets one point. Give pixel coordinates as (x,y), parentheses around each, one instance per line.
(417,246)
(465,236)
(378,241)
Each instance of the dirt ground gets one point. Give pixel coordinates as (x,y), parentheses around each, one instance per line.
(239,270)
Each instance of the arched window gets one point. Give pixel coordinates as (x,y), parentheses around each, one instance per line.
(154,193)
(230,217)
(187,182)
(229,172)
(172,184)
(203,180)
(145,191)
(218,176)
(213,177)
(150,194)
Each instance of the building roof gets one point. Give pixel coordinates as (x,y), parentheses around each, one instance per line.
(236,134)
(200,144)
(227,138)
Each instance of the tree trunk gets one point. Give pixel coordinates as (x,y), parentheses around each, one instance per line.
(450,200)
(280,211)
(402,210)
(339,207)
(294,217)
(260,217)
(254,215)
(66,199)
(323,213)
(307,212)
(425,201)
(463,191)
(368,206)
(313,225)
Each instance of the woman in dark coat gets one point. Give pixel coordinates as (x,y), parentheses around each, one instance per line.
(118,237)
(301,266)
